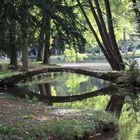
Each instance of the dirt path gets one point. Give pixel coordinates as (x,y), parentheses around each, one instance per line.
(91,66)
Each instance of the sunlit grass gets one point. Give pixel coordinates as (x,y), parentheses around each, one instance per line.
(8,73)
(133,53)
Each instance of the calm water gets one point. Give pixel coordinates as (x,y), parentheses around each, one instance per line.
(125,103)
(65,84)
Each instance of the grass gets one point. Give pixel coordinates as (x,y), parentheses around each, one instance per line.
(8,73)
(59,124)
(132,54)
(137,52)
(66,129)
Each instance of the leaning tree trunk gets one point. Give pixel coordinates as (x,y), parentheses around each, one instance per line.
(103,32)
(13,80)
(137,13)
(112,36)
(107,43)
(13,55)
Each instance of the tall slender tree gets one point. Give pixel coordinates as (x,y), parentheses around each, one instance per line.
(47,35)
(12,18)
(23,11)
(8,18)
(40,54)
(13,49)
(136,6)
(107,43)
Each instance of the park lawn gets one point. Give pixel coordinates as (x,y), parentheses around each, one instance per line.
(8,73)
(27,119)
(135,54)
(5,71)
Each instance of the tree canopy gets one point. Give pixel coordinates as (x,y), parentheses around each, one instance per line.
(63,25)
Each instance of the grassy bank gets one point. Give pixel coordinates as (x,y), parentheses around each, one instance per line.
(24,119)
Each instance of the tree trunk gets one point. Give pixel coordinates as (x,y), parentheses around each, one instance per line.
(103,32)
(112,36)
(40,52)
(13,80)
(41,47)
(94,33)
(112,55)
(2,24)
(47,42)
(24,30)
(24,51)
(13,52)
(137,13)
(47,35)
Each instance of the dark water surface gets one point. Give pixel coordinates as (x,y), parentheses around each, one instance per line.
(66,90)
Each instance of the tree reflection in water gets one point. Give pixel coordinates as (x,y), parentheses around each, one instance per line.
(115,105)
(45,89)
(69,93)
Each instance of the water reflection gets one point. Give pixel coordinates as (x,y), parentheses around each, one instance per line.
(67,84)
(45,89)
(78,91)
(115,105)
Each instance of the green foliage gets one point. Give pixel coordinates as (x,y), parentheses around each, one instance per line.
(132,65)
(70,55)
(8,73)
(133,104)
(79,124)
(8,130)
(69,129)
(132,72)
(130,120)
(29,100)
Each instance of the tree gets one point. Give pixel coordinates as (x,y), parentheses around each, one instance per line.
(8,20)
(47,35)
(137,13)
(2,25)
(45,18)
(23,13)
(12,17)
(107,43)
(41,46)
(58,17)
(13,50)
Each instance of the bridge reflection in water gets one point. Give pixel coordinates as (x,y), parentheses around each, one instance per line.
(78,91)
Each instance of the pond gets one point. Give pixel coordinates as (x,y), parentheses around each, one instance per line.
(66,90)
